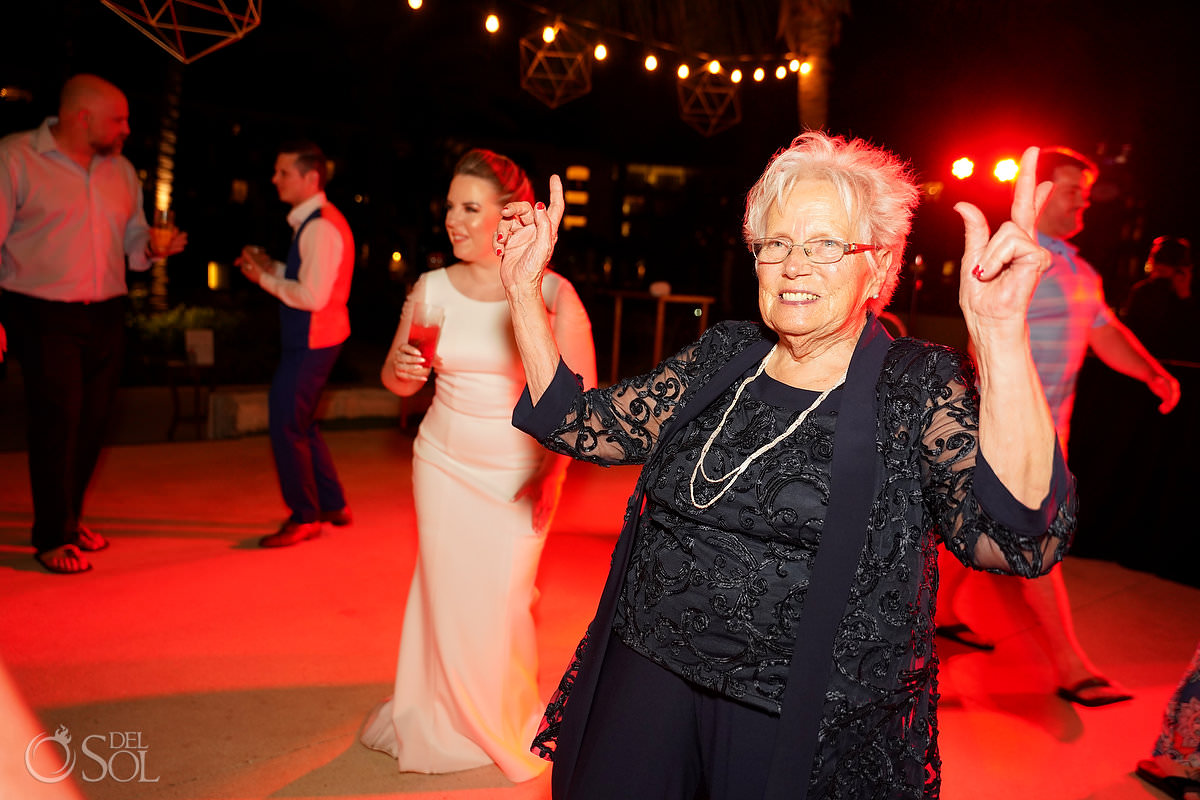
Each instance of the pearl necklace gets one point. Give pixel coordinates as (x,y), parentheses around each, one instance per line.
(731,477)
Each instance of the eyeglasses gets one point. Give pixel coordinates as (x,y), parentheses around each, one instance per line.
(819,251)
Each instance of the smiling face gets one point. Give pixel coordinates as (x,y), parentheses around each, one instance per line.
(472,214)
(820,302)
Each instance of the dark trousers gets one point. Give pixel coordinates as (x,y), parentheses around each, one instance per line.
(652,735)
(307,477)
(71,355)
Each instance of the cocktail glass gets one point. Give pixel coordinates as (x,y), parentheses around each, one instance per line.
(162,231)
(425,329)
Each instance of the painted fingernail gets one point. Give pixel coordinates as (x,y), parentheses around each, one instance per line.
(499,251)
(499,236)
(540,206)
(978,271)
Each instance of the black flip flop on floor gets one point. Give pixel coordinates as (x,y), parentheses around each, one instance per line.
(964,635)
(1072,693)
(1174,786)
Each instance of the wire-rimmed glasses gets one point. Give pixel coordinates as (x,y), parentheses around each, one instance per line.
(825,250)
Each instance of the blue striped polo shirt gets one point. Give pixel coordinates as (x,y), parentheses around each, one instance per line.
(1067,304)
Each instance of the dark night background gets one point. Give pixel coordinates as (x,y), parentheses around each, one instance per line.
(395,94)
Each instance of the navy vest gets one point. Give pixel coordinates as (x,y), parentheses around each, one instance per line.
(294,322)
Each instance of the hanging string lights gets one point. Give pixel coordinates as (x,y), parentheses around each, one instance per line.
(556,64)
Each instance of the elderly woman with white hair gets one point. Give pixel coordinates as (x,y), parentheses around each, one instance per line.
(766,630)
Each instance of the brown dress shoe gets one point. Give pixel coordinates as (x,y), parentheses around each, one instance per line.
(290,533)
(343,516)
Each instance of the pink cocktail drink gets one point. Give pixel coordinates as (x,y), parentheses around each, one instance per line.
(425,339)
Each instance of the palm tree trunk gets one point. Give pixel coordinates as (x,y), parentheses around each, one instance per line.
(811,28)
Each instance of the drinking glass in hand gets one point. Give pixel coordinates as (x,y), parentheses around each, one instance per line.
(425,328)
(162,232)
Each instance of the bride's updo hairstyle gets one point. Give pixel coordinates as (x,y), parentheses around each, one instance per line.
(511,182)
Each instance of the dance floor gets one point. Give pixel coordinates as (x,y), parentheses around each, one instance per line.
(190,664)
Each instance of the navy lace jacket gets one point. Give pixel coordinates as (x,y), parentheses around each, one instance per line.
(877,734)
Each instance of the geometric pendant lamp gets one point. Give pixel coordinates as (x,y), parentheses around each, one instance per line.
(189,29)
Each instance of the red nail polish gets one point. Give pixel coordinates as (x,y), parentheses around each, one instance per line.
(499,237)
(978,271)
(499,251)
(540,206)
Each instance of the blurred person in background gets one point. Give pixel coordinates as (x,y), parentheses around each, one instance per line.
(1067,317)
(466,691)
(71,222)
(313,287)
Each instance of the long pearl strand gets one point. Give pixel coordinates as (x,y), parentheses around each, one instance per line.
(731,477)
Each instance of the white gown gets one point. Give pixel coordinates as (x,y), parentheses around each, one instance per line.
(466,692)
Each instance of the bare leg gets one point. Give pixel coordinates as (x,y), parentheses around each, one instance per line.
(1047,598)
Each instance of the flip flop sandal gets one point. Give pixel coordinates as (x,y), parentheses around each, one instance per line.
(68,562)
(964,635)
(87,539)
(1174,786)
(1072,693)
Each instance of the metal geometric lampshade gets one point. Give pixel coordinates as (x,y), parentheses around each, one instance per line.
(709,103)
(558,71)
(188,29)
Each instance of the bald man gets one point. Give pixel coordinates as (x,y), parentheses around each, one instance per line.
(70,218)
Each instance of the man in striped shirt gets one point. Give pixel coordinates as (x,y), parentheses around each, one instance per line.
(1067,316)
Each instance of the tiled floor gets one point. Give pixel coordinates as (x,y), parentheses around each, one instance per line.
(246,673)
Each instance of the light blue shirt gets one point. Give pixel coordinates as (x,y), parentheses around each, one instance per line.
(65,231)
(1067,304)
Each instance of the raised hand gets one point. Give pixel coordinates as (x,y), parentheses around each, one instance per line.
(526,236)
(999,273)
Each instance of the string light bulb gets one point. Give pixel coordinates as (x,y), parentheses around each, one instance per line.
(794,65)
(601,52)
(759,74)
(651,62)
(781,72)
(806,68)
(714,66)
(492,23)
(415,5)
(736,76)
(683,71)
(548,34)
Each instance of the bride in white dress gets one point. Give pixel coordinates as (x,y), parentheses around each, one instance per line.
(466,691)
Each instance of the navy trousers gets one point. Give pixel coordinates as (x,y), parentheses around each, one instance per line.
(307,477)
(71,356)
(652,735)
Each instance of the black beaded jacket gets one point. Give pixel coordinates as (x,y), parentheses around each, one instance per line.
(862,721)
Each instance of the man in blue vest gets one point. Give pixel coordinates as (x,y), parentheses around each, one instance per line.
(312,286)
